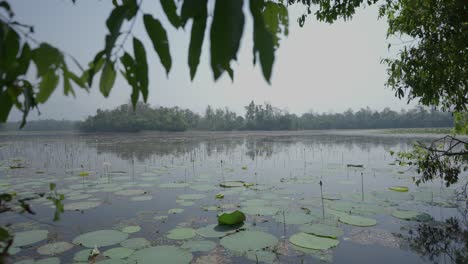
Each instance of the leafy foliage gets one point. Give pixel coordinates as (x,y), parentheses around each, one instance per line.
(12,202)
(444,158)
(440,239)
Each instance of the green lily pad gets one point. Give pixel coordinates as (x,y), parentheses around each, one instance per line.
(399,188)
(160,217)
(101,238)
(112,261)
(232,184)
(244,241)
(356,220)
(118,252)
(175,211)
(234,218)
(194,196)
(54,248)
(213,231)
(260,210)
(262,256)
(141,198)
(29,237)
(53,260)
(161,254)
(173,185)
(82,255)
(411,215)
(322,230)
(313,242)
(78,206)
(181,233)
(136,243)
(131,229)
(130,192)
(294,218)
(198,245)
(219,196)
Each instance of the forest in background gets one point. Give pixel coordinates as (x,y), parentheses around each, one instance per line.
(125,118)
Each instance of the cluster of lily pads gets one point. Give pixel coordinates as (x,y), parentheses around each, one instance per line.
(238,213)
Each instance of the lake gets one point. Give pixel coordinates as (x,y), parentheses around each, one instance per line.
(155,197)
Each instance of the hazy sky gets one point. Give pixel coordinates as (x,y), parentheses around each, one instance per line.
(319,67)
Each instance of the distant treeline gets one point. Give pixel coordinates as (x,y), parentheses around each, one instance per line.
(257,117)
(41,125)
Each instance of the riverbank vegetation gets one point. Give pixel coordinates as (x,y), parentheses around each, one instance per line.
(256,117)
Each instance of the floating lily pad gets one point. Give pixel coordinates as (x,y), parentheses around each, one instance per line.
(199,245)
(29,237)
(160,217)
(184,203)
(244,241)
(232,184)
(313,242)
(399,188)
(356,220)
(142,198)
(53,260)
(181,233)
(82,255)
(173,185)
(118,252)
(131,229)
(112,261)
(130,192)
(294,218)
(175,211)
(78,206)
(411,215)
(136,243)
(101,238)
(260,210)
(54,248)
(322,230)
(83,174)
(262,256)
(212,231)
(234,218)
(195,196)
(161,254)
(219,196)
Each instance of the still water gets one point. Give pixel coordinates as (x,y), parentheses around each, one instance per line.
(154,197)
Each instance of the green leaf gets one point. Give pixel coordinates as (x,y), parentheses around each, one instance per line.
(4,235)
(10,48)
(47,86)
(107,78)
(52,186)
(196,9)
(6,103)
(141,71)
(94,67)
(158,37)
(46,57)
(263,40)
(170,9)
(130,75)
(234,218)
(276,19)
(226,31)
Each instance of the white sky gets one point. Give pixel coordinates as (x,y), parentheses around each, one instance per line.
(319,67)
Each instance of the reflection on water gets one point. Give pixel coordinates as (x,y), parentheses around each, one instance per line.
(141,179)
